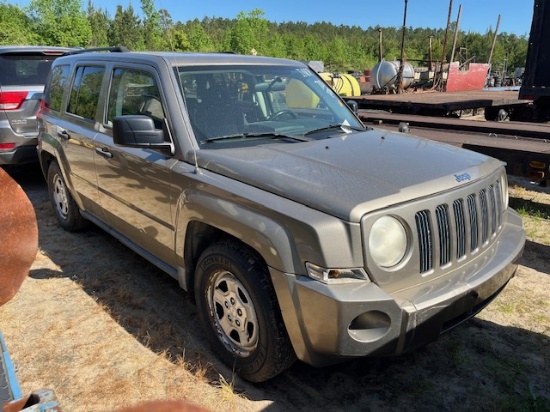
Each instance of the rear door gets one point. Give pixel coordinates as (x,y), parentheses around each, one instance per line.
(76,130)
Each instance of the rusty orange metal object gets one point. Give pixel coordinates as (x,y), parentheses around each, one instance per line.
(18,236)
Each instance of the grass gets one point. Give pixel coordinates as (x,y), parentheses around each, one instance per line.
(537,229)
(227,389)
(532,204)
(528,208)
(506,308)
(534,208)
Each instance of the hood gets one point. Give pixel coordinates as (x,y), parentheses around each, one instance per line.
(348,175)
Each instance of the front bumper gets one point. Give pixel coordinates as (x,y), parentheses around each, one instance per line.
(329,323)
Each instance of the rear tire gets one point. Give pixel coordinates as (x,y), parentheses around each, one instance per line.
(65,209)
(239,311)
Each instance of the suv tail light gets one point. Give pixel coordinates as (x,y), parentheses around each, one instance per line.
(43,105)
(6,146)
(12,100)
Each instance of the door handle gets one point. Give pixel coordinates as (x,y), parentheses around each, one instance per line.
(64,135)
(104,152)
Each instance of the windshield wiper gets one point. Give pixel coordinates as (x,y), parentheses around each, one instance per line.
(268,135)
(340,126)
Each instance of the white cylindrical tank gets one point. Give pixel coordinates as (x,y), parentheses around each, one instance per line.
(384,74)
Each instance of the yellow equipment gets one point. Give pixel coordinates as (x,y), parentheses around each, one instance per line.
(343,84)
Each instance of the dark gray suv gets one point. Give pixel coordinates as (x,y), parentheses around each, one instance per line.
(23,73)
(300,232)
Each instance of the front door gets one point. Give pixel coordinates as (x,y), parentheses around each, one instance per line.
(134,184)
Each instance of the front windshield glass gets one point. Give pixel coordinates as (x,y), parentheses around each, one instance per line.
(255,103)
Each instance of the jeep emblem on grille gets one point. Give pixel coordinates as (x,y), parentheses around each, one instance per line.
(462,177)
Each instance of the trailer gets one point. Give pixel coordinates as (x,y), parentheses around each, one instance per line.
(525,147)
(495,104)
(536,78)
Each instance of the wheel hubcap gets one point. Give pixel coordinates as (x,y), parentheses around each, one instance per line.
(233,313)
(60,197)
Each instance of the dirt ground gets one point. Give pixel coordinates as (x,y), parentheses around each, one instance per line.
(105,329)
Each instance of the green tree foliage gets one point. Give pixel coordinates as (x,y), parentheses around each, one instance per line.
(198,39)
(218,30)
(179,41)
(125,29)
(15,26)
(99,25)
(248,33)
(167,28)
(59,22)
(341,48)
(151,27)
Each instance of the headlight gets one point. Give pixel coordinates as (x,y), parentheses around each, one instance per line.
(387,242)
(335,275)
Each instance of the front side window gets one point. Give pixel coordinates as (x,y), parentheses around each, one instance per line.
(85,91)
(134,92)
(54,94)
(257,103)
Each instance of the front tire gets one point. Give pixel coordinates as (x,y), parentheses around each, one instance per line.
(65,209)
(238,308)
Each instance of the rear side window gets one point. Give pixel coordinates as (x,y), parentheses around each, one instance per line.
(54,93)
(85,91)
(24,69)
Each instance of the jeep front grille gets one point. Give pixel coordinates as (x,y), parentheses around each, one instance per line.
(449,232)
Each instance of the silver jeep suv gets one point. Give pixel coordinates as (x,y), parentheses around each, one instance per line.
(300,233)
(23,74)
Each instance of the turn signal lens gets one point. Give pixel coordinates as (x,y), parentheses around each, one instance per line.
(332,276)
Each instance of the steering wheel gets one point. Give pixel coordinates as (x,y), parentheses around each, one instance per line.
(283,113)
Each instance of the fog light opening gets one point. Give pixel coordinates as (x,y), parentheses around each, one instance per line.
(369,326)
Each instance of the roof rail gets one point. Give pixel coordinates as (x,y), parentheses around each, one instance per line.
(112,49)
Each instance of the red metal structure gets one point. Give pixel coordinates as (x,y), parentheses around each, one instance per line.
(473,78)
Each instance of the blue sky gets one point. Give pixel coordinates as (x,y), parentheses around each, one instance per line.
(477,15)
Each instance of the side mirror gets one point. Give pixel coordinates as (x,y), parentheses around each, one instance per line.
(352,104)
(137,131)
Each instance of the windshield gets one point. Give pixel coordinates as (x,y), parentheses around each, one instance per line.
(255,103)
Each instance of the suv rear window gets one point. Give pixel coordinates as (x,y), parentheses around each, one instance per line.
(24,69)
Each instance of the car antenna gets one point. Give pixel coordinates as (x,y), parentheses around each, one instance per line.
(197,170)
